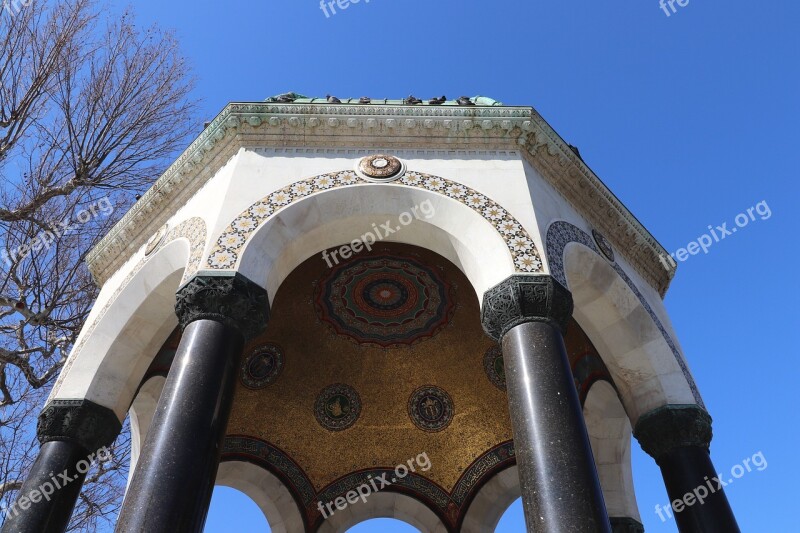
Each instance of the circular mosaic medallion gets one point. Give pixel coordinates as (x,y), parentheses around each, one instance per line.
(603,245)
(380,167)
(337,407)
(385,300)
(155,240)
(430,408)
(262,366)
(494,368)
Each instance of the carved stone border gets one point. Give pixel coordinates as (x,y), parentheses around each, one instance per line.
(561,233)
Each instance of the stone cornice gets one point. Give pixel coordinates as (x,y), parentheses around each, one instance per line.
(242,125)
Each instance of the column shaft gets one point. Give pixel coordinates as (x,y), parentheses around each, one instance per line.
(689,470)
(50,515)
(678,437)
(560,487)
(171,488)
(71,433)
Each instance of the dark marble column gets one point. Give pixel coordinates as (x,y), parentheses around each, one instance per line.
(560,488)
(71,433)
(677,437)
(625,524)
(174,478)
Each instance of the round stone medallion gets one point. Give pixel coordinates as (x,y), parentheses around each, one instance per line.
(430,408)
(337,407)
(262,366)
(494,368)
(603,245)
(380,167)
(385,300)
(156,240)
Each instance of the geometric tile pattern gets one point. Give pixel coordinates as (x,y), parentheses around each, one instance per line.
(228,248)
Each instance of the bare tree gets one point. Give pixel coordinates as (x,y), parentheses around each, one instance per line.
(91,110)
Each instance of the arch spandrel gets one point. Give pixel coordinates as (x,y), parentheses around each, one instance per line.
(133,322)
(472,230)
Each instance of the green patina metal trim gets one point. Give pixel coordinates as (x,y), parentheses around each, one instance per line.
(302,99)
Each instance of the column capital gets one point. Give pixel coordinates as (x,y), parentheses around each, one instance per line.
(82,422)
(231,299)
(673,426)
(525,298)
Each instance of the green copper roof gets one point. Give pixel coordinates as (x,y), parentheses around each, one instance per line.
(297,98)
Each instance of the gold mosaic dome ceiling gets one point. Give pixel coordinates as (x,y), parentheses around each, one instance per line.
(370,363)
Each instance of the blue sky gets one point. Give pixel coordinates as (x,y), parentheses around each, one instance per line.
(690,119)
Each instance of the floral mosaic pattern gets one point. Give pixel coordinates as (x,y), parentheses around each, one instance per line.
(194,230)
(227,250)
(338,407)
(430,408)
(385,300)
(494,367)
(262,366)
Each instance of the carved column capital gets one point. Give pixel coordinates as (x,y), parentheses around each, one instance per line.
(232,300)
(525,298)
(673,426)
(80,421)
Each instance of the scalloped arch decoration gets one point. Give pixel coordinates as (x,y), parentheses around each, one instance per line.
(227,250)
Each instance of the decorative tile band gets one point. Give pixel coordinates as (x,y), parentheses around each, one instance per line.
(193,230)
(228,248)
(561,233)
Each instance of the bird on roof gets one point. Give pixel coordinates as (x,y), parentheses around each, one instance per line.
(412,100)
(437,101)
(465,100)
(364,100)
(332,99)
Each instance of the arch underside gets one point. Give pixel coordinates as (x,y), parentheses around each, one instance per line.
(559,235)
(449,507)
